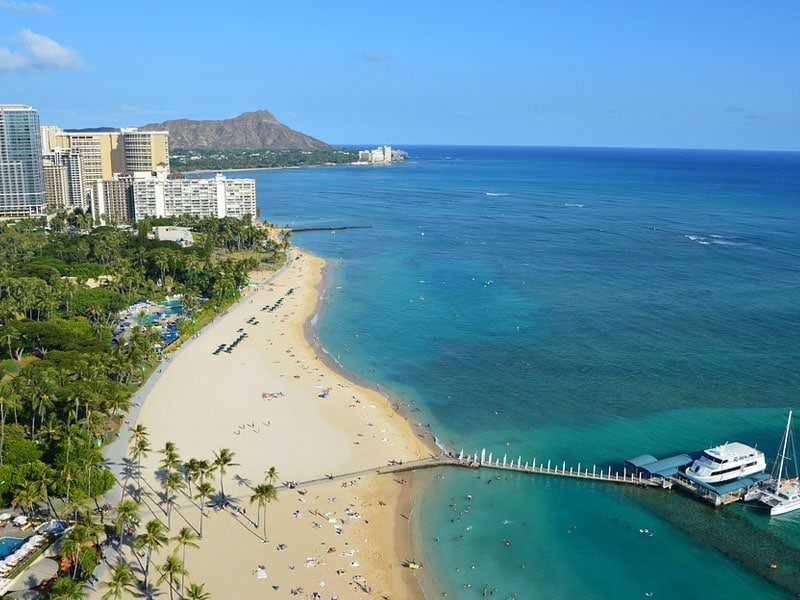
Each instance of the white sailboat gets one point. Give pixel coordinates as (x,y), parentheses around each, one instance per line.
(781,493)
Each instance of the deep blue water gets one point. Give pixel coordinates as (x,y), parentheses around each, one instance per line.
(576,304)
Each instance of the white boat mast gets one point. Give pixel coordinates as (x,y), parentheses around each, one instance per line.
(783,449)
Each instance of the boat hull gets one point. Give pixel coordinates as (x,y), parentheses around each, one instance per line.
(728,476)
(782,509)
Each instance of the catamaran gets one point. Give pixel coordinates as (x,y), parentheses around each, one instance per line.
(781,493)
(731,460)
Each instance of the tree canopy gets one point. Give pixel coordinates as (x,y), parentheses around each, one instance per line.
(66,384)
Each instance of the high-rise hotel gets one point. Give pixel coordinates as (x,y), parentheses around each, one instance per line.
(104,153)
(120,175)
(22,190)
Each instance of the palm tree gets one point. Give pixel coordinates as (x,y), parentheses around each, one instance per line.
(76,503)
(120,581)
(186,537)
(138,433)
(11,335)
(9,399)
(41,388)
(44,476)
(171,460)
(154,536)
(66,588)
(222,460)
(172,483)
(189,301)
(170,570)
(28,494)
(264,494)
(196,592)
(119,400)
(141,448)
(127,514)
(205,470)
(76,543)
(204,490)
(271,475)
(191,472)
(67,470)
(50,431)
(93,459)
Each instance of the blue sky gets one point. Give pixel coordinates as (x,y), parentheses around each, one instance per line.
(681,74)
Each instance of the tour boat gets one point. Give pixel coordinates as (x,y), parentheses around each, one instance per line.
(780,492)
(731,460)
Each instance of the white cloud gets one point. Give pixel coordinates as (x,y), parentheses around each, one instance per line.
(375,56)
(38,52)
(29,7)
(11,61)
(49,53)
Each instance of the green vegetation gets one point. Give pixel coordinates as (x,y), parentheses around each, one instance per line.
(182,160)
(66,383)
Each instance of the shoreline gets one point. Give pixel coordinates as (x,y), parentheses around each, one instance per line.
(395,403)
(270,168)
(347,164)
(397,535)
(202,402)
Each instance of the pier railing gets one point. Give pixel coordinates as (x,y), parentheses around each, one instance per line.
(549,467)
(579,471)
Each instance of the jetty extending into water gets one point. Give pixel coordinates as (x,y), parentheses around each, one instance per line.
(664,474)
(644,471)
(578,471)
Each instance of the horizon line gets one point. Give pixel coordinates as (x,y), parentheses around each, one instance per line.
(399,146)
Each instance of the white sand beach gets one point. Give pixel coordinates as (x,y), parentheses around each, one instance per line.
(273,402)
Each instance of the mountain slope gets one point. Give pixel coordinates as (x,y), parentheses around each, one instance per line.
(252,130)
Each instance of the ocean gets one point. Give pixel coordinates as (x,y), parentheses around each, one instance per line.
(579,305)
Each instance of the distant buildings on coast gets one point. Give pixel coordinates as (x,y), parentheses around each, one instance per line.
(117,175)
(381,155)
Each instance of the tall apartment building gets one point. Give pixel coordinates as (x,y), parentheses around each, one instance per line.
(21,172)
(165,196)
(63,180)
(124,175)
(105,153)
(112,201)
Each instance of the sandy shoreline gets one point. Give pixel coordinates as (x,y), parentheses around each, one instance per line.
(273,402)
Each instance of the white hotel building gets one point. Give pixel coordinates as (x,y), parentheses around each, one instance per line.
(163,196)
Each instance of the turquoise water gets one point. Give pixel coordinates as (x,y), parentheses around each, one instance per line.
(168,310)
(580,305)
(9,545)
